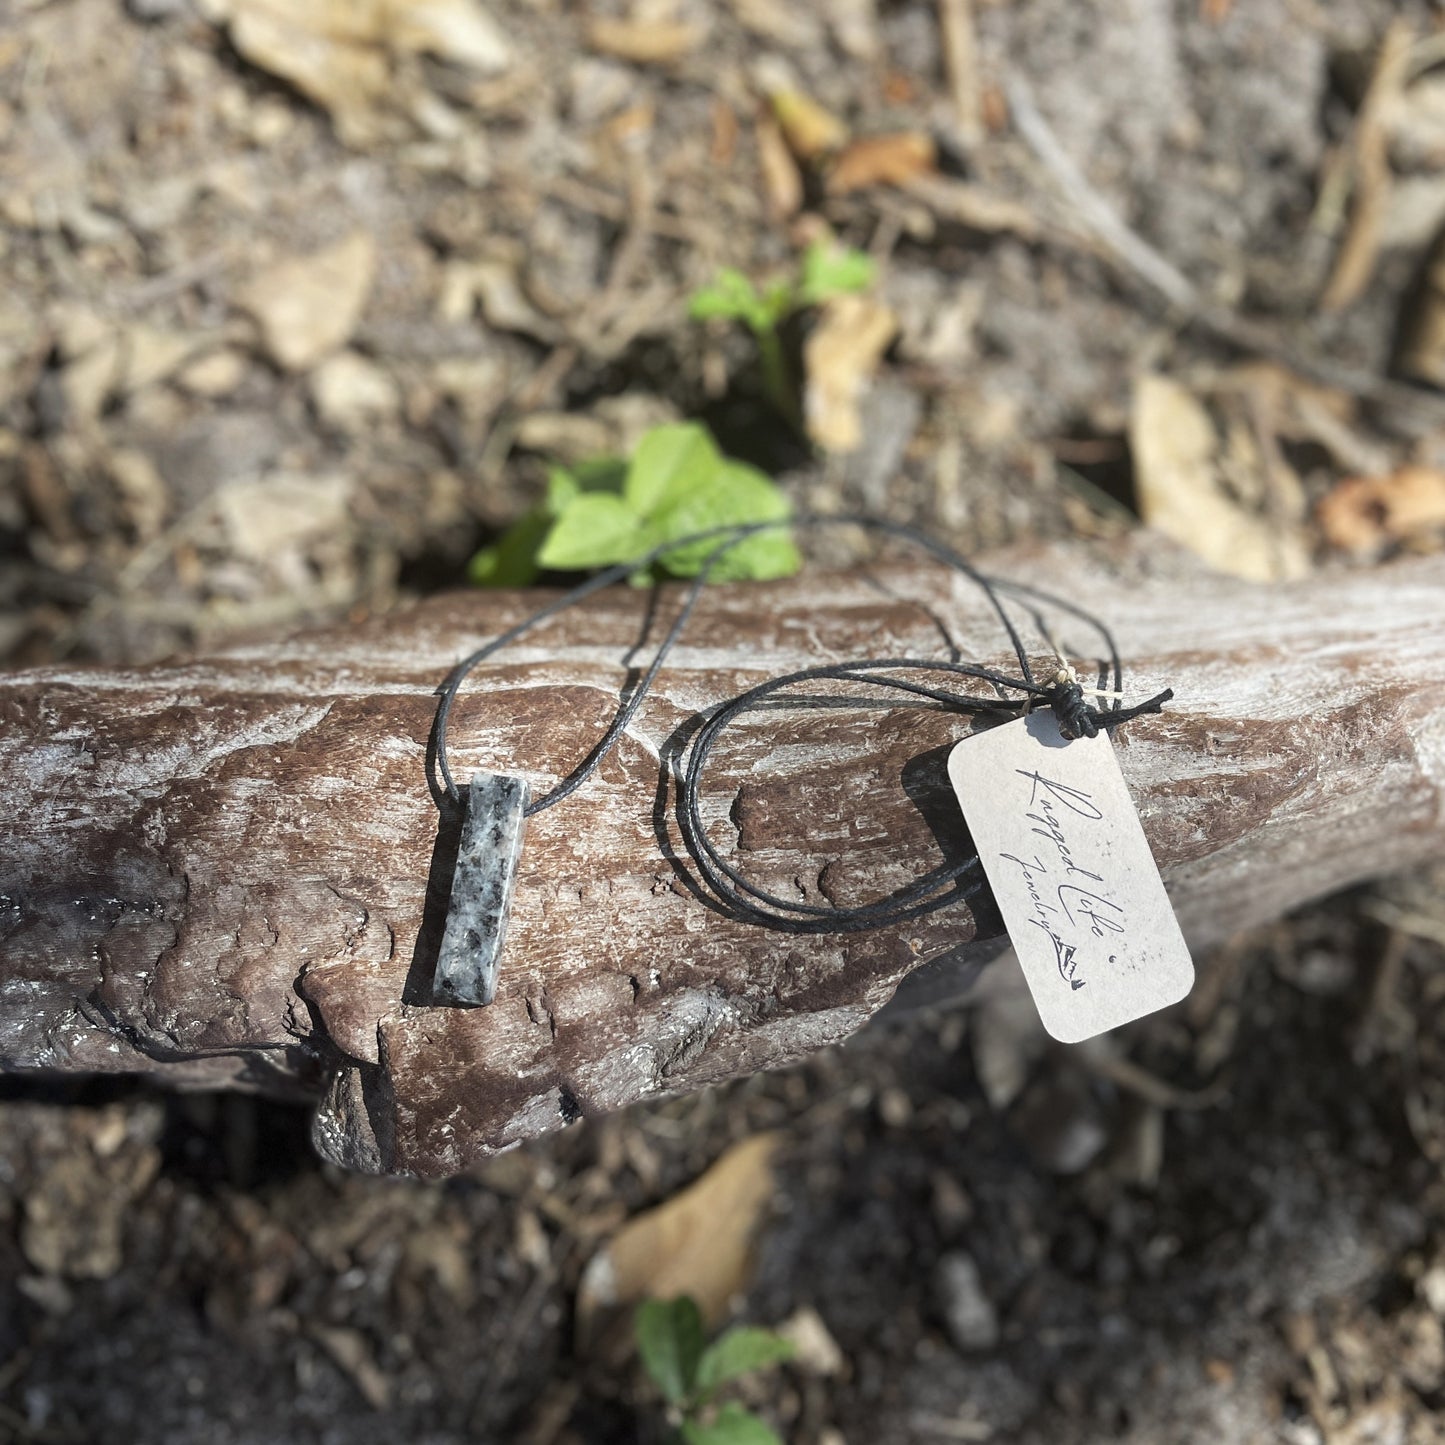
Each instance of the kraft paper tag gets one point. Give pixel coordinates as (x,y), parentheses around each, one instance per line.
(1081,896)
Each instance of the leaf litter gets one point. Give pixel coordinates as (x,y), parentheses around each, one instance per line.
(166,458)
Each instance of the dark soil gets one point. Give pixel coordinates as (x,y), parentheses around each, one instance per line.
(1230,1224)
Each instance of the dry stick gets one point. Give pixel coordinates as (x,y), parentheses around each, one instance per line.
(975,206)
(1370,167)
(217,871)
(1145,262)
(960,60)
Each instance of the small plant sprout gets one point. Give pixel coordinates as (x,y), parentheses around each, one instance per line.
(690,1372)
(827,270)
(608,511)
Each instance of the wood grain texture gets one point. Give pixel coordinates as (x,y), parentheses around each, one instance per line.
(227,872)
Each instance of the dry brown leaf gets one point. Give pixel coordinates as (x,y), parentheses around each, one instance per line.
(840,358)
(342,54)
(353,1356)
(308,306)
(725,129)
(1417,124)
(644,42)
(794,27)
(882,160)
(697,1243)
(1178,459)
(811,131)
(854,24)
(782,182)
(1362,514)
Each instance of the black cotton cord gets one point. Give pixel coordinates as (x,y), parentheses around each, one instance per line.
(935,889)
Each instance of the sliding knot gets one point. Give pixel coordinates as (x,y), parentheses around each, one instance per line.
(1076,719)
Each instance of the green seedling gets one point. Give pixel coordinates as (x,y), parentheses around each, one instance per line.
(610,511)
(689,1372)
(827,271)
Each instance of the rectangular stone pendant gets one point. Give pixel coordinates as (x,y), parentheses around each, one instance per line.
(491,843)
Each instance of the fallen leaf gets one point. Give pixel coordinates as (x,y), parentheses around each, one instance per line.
(1178,474)
(152,354)
(353,1355)
(791,26)
(724,145)
(854,24)
(141,490)
(496,287)
(782,182)
(215,375)
(882,160)
(1416,122)
(350,390)
(344,54)
(697,1243)
(75,1207)
(308,306)
(810,130)
(90,380)
(458,31)
(1362,514)
(840,358)
(644,42)
(815,1349)
(268,517)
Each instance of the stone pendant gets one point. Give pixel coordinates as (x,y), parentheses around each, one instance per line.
(491,843)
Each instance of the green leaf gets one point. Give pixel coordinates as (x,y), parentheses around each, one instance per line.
(731,296)
(736,494)
(562,487)
(741,1351)
(669,1339)
(777,301)
(511,561)
(594,530)
(833,271)
(600,474)
(732,1426)
(670,463)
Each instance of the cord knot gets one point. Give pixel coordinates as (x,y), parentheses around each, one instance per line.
(1076,719)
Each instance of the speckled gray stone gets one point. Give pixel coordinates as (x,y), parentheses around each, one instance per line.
(491,844)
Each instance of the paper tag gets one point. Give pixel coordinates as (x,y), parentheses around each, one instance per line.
(1080,894)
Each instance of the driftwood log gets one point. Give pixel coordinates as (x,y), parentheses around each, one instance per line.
(229,872)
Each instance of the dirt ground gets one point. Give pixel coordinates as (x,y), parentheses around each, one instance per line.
(296,303)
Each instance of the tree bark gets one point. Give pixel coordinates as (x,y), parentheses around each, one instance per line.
(229,872)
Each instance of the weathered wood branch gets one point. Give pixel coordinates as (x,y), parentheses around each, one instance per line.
(218,872)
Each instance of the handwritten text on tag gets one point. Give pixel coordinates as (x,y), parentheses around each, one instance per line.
(1070,868)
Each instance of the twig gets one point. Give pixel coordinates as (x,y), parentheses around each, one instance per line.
(630,254)
(960,63)
(974,206)
(1404,920)
(1144,1085)
(1092,207)
(1144,261)
(1370,167)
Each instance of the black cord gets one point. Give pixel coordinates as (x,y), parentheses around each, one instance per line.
(940,886)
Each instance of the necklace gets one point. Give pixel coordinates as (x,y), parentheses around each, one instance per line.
(494,807)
